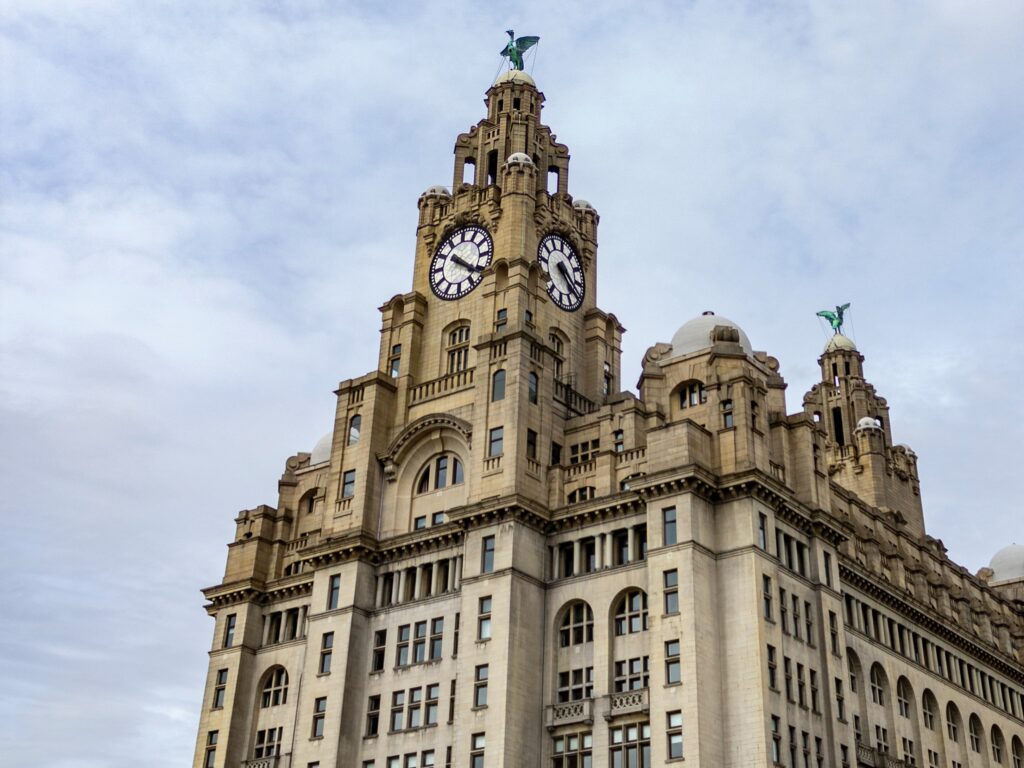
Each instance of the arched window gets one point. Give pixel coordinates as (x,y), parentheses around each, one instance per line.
(877,685)
(355,426)
(498,386)
(558,348)
(903,697)
(439,473)
(929,706)
(631,613)
(531,387)
(458,349)
(953,722)
(275,688)
(692,393)
(1017,753)
(584,493)
(998,745)
(974,733)
(469,171)
(577,625)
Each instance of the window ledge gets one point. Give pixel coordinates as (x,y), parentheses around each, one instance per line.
(673,685)
(316,738)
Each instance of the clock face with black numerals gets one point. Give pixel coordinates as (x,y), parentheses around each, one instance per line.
(560,263)
(458,264)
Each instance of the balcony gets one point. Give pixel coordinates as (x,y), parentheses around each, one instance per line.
(570,713)
(277,761)
(873,758)
(627,703)
(574,402)
(445,385)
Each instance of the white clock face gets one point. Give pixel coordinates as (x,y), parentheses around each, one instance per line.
(559,261)
(458,265)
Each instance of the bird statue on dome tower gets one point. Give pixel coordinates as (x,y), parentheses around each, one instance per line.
(835,319)
(514,49)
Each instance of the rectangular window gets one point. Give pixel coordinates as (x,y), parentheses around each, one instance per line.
(419,642)
(762,531)
(814,691)
(796,617)
(773,669)
(631,674)
(501,320)
(397,711)
(476,756)
(674,733)
(833,631)
(556,454)
(319,715)
(229,630)
(395,361)
(433,693)
(531,445)
(380,639)
(727,416)
(631,745)
(573,750)
(211,749)
(809,623)
(575,684)
(800,686)
(766,596)
(326,651)
(220,688)
(619,440)
(840,700)
(787,670)
(776,740)
(333,592)
(436,638)
(487,554)
(828,569)
(414,715)
(784,610)
(671,579)
(673,668)
(483,622)
(668,517)
(268,742)
(480,686)
(373,716)
(348,484)
(402,646)
(495,446)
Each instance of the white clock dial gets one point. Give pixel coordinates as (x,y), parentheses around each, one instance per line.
(558,259)
(458,264)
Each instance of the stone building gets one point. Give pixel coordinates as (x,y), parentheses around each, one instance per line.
(499,557)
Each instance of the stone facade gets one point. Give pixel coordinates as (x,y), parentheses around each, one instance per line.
(499,558)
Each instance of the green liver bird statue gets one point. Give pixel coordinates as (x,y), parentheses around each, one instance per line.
(515,49)
(835,319)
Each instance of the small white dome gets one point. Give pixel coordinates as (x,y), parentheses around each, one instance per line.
(322,450)
(1008,563)
(519,157)
(515,76)
(439,190)
(867,422)
(695,335)
(582,205)
(838,341)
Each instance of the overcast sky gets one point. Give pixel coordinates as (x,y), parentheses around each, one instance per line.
(203,205)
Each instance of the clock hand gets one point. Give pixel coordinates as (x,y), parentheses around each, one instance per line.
(462,262)
(565,273)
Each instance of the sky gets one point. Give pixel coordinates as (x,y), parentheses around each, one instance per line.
(202,206)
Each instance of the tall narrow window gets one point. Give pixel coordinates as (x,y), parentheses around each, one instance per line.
(458,349)
(531,387)
(229,630)
(762,531)
(220,688)
(380,639)
(766,596)
(487,554)
(476,755)
(211,750)
(373,716)
(501,321)
(326,651)
(671,580)
(828,569)
(333,592)
(275,689)
(483,622)
(430,713)
(436,638)
(496,444)
(480,686)
(531,445)
(558,349)
(402,646)
(355,426)
(668,517)
(674,732)
(773,669)
(631,613)
(606,386)
(319,715)
(395,361)
(840,700)
(727,415)
(348,484)
(577,626)
(498,385)
(619,441)
(673,667)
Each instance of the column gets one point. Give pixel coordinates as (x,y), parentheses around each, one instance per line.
(577,557)
(458,572)
(397,580)
(301,629)
(599,551)
(608,560)
(266,629)
(379,599)
(631,544)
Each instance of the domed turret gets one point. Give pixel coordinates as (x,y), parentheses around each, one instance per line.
(696,334)
(840,342)
(519,157)
(322,450)
(866,422)
(1008,563)
(516,76)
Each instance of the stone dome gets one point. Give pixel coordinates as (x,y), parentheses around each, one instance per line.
(583,205)
(515,76)
(866,422)
(322,450)
(1008,563)
(838,341)
(519,157)
(695,334)
(439,190)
